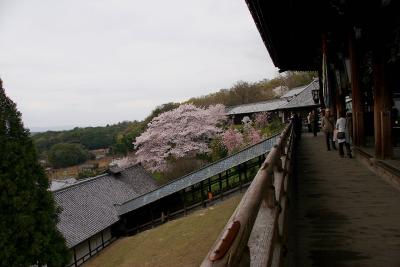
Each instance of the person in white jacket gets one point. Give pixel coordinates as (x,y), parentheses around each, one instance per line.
(343,136)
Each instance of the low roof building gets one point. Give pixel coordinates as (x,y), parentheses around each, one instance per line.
(88,207)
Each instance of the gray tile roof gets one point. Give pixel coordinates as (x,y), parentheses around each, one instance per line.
(303,99)
(293,92)
(199,175)
(88,206)
(269,105)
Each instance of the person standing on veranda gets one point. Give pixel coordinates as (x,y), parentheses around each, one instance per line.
(343,136)
(327,126)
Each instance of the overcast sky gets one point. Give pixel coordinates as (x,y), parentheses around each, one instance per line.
(94,62)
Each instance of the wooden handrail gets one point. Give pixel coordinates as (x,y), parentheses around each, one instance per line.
(231,247)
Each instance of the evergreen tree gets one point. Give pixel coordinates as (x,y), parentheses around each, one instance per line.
(28,213)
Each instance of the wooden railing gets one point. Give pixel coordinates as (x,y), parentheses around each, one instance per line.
(266,201)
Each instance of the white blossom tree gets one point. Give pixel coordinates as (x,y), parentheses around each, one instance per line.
(181,132)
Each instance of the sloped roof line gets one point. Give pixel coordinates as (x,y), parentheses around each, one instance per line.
(294,91)
(304,99)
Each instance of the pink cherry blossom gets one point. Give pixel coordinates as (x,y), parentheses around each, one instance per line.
(184,131)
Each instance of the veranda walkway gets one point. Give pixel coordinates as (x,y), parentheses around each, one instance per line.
(344,214)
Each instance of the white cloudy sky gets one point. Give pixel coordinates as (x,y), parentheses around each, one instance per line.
(93,62)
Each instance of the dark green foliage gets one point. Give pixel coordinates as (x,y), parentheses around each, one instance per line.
(124,142)
(64,155)
(28,214)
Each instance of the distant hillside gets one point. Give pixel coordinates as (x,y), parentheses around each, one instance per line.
(89,137)
(245,92)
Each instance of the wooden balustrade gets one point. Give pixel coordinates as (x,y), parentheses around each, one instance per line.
(266,195)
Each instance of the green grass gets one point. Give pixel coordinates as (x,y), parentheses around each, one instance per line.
(182,242)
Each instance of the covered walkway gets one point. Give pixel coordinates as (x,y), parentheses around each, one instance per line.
(344,214)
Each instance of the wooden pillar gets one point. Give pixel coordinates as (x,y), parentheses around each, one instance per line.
(201,194)
(356,94)
(382,107)
(152,217)
(227,179)
(245,171)
(209,184)
(102,239)
(184,201)
(220,186)
(90,248)
(239,170)
(75,261)
(193,194)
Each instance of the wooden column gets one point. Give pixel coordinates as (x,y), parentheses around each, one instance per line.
(245,171)
(227,180)
(240,176)
(184,201)
(356,94)
(90,248)
(75,262)
(220,186)
(193,194)
(382,107)
(152,217)
(201,194)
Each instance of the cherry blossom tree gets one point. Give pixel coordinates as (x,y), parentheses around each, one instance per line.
(232,139)
(181,132)
(261,119)
(252,136)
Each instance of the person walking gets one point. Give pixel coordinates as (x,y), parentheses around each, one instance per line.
(309,122)
(314,122)
(343,136)
(327,125)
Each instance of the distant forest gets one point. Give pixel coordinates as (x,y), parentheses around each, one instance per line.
(119,137)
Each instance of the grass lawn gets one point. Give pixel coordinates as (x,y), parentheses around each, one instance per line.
(182,242)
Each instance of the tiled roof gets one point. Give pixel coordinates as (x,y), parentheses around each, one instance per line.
(88,206)
(294,92)
(199,175)
(303,99)
(269,105)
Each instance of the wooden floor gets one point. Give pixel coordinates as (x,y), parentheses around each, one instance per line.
(345,215)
